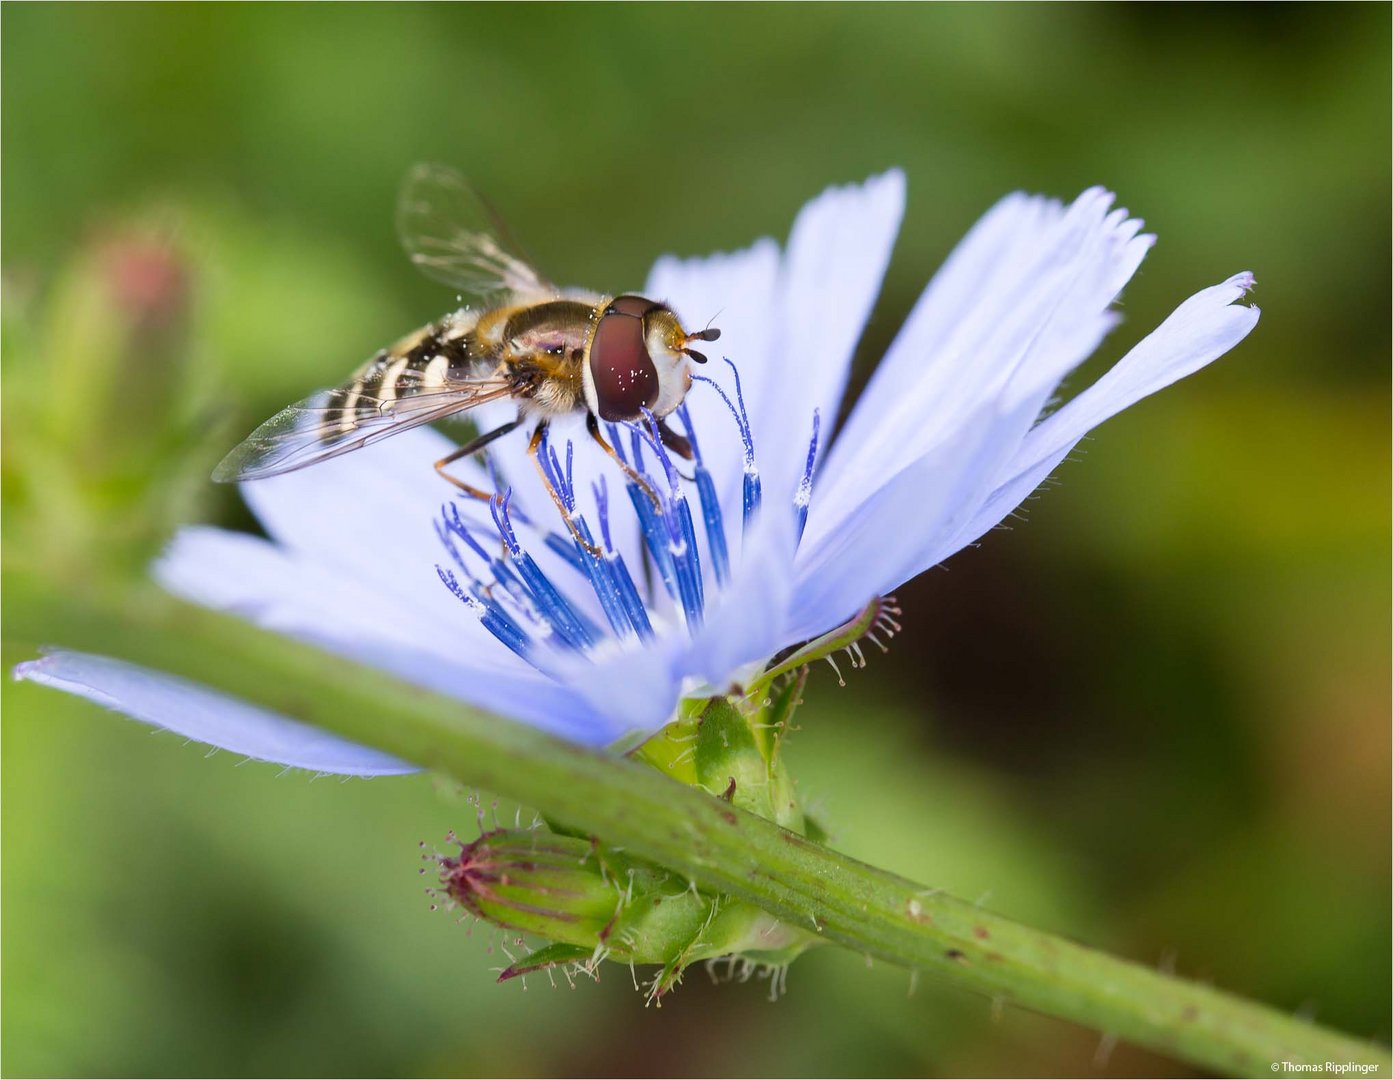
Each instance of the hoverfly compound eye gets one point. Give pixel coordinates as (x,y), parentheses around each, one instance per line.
(639,358)
(621,378)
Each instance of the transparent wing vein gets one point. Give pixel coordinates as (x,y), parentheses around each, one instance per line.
(450,233)
(333,422)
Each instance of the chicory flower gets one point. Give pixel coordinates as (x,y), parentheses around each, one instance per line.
(778,536)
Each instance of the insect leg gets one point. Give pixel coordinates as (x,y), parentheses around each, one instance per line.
(592,425)
(533,448)
(678,444)
(473,447)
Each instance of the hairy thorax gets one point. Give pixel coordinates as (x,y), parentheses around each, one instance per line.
(540,349)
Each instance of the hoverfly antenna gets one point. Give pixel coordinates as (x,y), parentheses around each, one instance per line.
(709,334)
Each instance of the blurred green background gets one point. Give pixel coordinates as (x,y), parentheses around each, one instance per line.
(1154,718)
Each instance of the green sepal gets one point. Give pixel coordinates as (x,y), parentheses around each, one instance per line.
(543,958)
(730,749)
(876,620)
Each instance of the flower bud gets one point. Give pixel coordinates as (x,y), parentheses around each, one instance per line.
(533,881)
(593,904)
(105,454)
(116,339)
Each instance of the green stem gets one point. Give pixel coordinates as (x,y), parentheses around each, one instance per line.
(711,842)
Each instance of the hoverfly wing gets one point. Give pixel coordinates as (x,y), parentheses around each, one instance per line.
(452,235)
(349,417)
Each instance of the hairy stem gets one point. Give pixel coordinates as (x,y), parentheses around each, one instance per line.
(709,841)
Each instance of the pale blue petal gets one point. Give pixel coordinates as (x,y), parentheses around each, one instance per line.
(627,689)
(950,497)
(884,543)
(748,622)
(1199,331)
(1021,302)
(370,622)
(292,591)
(836,260)
(206,716)
(368,513)
(791,326)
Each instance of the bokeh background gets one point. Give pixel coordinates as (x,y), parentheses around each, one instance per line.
(1154,716)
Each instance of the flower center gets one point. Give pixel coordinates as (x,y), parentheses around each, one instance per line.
(532,613)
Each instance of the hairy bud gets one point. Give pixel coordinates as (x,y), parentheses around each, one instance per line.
(592,904)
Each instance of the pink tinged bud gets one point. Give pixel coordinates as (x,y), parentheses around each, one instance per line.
(147,279)
(534,882)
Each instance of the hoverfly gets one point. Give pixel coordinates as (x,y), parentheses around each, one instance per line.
(552,351)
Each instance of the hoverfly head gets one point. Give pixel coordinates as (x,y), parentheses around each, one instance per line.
(639,358)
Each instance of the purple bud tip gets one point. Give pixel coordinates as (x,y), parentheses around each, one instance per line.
(471,878)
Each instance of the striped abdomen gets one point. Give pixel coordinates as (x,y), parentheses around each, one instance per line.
(436,357)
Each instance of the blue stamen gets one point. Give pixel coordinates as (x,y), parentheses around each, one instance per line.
(498,622)
(654,438)
(455,524)
(752,497)
(686,559)
(475,585)
(628,593)
(690,429)
(497,613)
(629,596)
(652,521)
(494,620)
(570,624)
(710,506)
(616,441)
(552,468)
(498,485)
(688,562)
(600,572)
(442,530)
(740,398)
(752,493)
(600,488)
(804,495)
(559,480)
(715,526)
(502,572)
(655,536)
